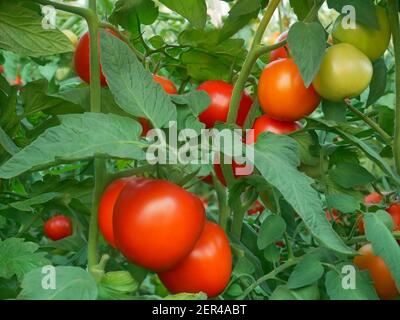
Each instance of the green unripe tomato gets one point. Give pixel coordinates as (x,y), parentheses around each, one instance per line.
(372,42)
(345,72)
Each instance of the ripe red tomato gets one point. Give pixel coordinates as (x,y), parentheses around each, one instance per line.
(206,269)
(82,58)
(373,198)
(282,93)
(106,207)
(383,280)
(280,53)
(1,68)
(256,208)
(267,124)
(394,211)
(58,227)
(167,85)
(220,93)
(157,223)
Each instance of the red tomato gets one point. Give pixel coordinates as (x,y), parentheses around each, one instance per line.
(373,198)
(1,68)
(267,124)
(157,223)
(58,227)
(383,280)
(206,269)
(280,53)
(394,211)
(106,207)
(82,58)
(167,85)
(256,208)
(282,93)
(220,93)
(146,126)
(333,215)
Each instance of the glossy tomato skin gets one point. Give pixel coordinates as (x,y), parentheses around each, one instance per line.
(157,223)
(345,72)
(58,227)
(267,124)
(82,58)
(106,208)
(167,84)
(206,269)
(372,42)
(282,93)
(280,53)
(373,198)
(220,93)
(383,280)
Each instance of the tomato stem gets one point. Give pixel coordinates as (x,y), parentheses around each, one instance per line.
(269,276)
(250,61)
(222,203)
(361,239)
(386,137)
(393,7)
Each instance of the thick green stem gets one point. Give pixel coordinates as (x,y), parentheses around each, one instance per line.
(393,6)
(222,203)
(269,276)
(250,61)
(387,138)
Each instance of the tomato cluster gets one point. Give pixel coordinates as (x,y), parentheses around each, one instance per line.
(162,227)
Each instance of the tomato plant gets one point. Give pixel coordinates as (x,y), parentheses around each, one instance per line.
(284,89)
(58,227)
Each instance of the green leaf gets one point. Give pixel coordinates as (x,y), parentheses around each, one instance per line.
(18,257)
(383,243)
(27,205)
(193,10)
(132,85)
(271,230)
(306,272)
(343,203)
(78,137)
(71,283)
(277,159)
(21,31)
(363,290)
(272,253)
(377,86)
(302,7)
(7,143)
(197,101)
(350,175)
(307,43)
(306,293)
(334,111)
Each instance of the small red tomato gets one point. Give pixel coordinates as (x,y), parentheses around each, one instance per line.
(373,198)
(58,227)
(82,58)
(206,269)
(220,93)
(280,53)
(167,85)
(383,280)
(146,126)
(333,215)
(1,68)
(106,208)
(282,93)
(157,223)
(267,124)
(256,208)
